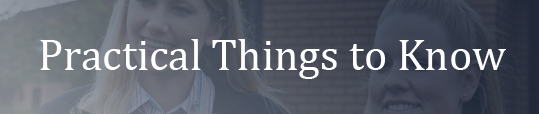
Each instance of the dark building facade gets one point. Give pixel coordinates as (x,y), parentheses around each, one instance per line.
(338,24)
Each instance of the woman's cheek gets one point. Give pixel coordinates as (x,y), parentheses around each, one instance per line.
(184,36)
(133,27)
(437,90)
(376,88)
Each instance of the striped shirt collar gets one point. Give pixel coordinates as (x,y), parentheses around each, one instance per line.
(199,101)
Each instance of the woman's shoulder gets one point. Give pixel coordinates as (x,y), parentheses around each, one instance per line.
(65,102)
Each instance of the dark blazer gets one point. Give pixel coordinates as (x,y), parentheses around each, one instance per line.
(227,100)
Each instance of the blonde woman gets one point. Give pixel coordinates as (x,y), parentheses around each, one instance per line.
(442,24)
(172,24)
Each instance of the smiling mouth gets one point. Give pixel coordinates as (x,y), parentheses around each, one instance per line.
(401,107)
(158,44)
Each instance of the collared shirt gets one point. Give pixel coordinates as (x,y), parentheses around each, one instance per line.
(199,101)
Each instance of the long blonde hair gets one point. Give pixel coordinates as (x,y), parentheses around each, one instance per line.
(467,31)
(112,90)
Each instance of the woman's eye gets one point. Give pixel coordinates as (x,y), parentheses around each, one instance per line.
(423,64)
(387,65)
(180,10)
(376,63)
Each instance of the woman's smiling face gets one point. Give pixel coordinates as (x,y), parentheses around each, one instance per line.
(168,24)
(394,91)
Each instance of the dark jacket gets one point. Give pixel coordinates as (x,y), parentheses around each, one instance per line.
(227,100)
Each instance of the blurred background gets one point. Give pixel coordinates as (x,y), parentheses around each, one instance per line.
(289,24)
(76,24)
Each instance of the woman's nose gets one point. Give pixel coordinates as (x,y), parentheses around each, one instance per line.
(157,23)
(397,81)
